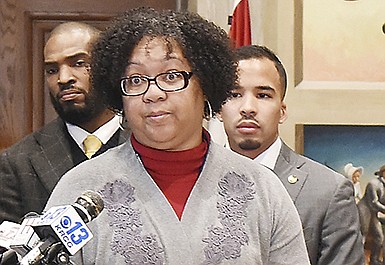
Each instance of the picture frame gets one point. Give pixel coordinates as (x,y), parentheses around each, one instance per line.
(337,146)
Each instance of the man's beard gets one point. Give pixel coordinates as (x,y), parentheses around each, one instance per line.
(249,144)
(78,114)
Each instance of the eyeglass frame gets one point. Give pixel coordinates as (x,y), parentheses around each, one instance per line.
(186,77)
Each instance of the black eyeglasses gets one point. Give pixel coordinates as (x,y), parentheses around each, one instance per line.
(136,85)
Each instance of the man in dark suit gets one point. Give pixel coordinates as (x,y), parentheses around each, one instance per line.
(30,169)
(324,198)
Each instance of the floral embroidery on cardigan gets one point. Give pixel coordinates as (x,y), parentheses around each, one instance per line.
(225,242)
(127,226)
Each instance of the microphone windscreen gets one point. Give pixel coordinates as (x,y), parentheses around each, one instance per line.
(90,203)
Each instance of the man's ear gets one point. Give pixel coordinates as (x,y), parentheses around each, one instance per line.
(283,113)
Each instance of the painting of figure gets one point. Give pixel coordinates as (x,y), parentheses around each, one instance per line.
(358,153)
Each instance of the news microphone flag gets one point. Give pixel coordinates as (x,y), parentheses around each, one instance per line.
(63,228)
(240,29)
(8,231)
(25,238)
(68,226)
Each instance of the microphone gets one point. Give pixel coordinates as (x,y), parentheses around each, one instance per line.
(25,238)
(63,228)
(8,232)
(16,239)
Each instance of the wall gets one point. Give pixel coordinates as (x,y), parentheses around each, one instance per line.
(279,25)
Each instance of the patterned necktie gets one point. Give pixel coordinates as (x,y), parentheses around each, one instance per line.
(91,145)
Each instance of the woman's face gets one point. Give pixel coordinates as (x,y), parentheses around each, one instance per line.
(356,177)
(164,120)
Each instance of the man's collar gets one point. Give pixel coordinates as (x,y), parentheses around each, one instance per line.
(104,133)
(269,157)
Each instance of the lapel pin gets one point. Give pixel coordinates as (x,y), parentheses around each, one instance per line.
(292,179)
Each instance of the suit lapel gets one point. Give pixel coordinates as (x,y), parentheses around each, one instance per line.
(124,135)
(57,149)
(288,169)
(54,158)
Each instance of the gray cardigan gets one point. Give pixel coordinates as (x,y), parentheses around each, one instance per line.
(237,213)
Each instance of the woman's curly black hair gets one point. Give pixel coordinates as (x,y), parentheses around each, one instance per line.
(205,46)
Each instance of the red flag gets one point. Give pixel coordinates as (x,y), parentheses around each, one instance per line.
(240,32)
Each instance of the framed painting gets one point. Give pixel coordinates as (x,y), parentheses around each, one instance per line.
(346,149)
(337,145)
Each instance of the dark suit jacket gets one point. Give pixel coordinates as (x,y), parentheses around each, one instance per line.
(30,169)
(326,206)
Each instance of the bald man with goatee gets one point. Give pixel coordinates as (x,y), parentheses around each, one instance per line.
(84,128)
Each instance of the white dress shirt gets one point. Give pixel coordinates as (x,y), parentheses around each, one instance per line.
(104,133)
(269,157)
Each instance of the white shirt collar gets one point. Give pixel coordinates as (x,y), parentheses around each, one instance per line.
(104,133)
(269,157)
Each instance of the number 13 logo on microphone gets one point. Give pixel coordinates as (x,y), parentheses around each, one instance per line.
(65,223)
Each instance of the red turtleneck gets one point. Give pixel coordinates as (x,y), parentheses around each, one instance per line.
(175,172)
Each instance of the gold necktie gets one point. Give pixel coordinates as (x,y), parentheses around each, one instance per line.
(91,145)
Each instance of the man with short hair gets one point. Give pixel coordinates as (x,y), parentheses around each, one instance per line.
(30,169)
(324,199)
